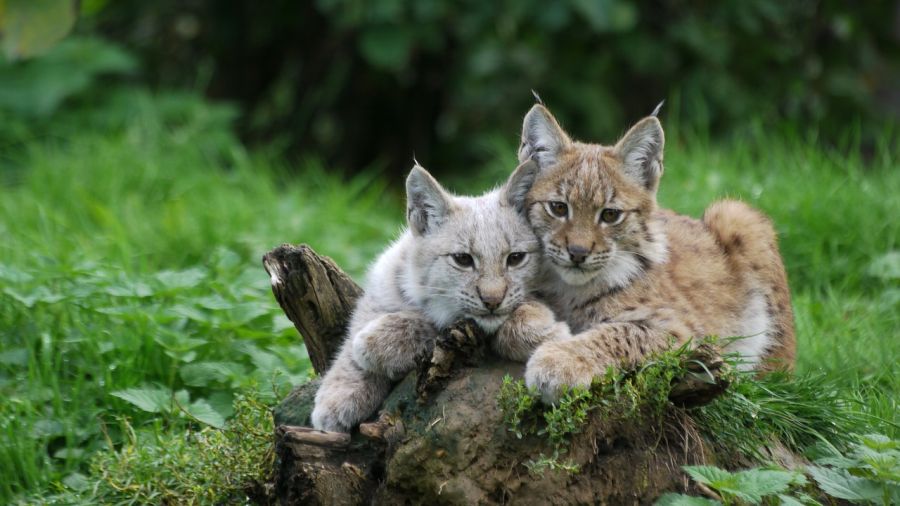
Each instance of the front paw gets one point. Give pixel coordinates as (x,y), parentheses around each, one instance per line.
(327,416)
(553,366)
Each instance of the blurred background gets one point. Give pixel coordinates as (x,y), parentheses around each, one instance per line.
(152,151)
(361,83)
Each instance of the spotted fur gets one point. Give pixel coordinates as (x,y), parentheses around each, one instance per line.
(417,287)
(633,285)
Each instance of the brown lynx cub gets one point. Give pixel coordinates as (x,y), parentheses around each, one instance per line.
(628,277)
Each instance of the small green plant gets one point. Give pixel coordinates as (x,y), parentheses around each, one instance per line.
(771,485)
(553,463)
(868,474)
(209,466)
(519,406)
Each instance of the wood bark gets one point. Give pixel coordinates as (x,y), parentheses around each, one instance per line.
(439,438)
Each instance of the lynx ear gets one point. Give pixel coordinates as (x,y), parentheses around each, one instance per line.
(542,137)
(519,184)
(427,204)
(641,152)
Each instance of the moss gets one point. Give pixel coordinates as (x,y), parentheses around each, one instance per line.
(297,407)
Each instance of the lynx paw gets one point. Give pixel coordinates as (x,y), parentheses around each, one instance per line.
(555,365)
(530,325)
(327,416)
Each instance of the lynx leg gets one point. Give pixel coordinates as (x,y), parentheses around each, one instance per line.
(577,361)
(390,343)
(348,395)
(529,325)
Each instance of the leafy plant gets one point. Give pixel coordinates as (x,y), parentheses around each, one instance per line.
(869,472)
(752,486)
(212,465)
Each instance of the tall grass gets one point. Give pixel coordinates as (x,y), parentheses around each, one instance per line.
(131,247)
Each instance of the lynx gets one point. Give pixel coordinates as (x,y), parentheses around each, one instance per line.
(460,257)
(630,278)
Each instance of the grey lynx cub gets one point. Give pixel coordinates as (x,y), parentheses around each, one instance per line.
(461,257)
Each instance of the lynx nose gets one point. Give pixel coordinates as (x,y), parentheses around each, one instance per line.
(577,253)
(492,297)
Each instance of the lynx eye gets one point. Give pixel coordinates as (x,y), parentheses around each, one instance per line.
(463,259)
(611,216)
(515,258)
(558,209)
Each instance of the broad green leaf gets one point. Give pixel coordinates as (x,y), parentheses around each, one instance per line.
(214,302)
(880,442)
(241,314)
(204,412)
(31,27)
(709,475)
(150,399)
(77,482)
(223,402)
(266,362)
(191,313)
(37,87)
(68,453)
(130,289)
(840,484)
(684,500)
(201,374)
(174,280)
(787,500)
(47,428)
(174,341)
(39,294)
(763,482)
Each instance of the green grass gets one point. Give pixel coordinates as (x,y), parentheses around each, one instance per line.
(131,259)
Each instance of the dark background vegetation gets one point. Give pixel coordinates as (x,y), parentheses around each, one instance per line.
(361,83)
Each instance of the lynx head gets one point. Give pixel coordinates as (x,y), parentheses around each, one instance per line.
(474,257)
(590,205)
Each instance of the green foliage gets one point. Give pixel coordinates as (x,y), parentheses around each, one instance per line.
(450,76)
(749,486)
(37,87)
(553,463)
(569,416)
(798,411)
(130,279)
(519,405)
(30,27)
(639,396)
(869,473)
(209,466)
(770,485)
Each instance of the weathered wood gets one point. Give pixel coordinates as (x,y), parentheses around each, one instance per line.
(316,295)
(440,438)
(306,435)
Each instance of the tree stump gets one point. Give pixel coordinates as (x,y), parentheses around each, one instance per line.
(440,438)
